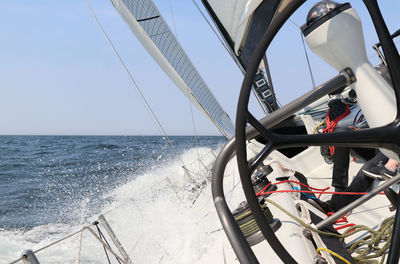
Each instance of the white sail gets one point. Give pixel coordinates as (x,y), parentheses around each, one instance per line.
(241,23)
(146,23)
(235,16)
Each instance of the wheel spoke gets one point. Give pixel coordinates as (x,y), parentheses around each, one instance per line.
(259,127)
(259,158)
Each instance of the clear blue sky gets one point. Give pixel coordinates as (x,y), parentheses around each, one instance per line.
(58,75)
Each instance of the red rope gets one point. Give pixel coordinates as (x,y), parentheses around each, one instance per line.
(302,184)
(300,191)
(263,189)
(319,191)
(342,219)
(344,226)
(330,125)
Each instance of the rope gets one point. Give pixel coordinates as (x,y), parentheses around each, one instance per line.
(314,192)
(135,85)
(366,248)
(344,226)
(333,254)
(332,118)
(301,222)
(319,191)
(249,226)
(60,240)
(320,124)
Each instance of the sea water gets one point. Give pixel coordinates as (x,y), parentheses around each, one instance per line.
(155,197)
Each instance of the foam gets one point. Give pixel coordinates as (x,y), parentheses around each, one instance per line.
(157,217)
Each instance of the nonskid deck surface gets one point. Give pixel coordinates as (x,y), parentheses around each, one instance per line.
(311,164)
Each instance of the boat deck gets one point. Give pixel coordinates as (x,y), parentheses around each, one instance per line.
(311,164)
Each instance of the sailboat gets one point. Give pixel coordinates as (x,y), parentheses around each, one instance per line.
(275,163)
(299,233)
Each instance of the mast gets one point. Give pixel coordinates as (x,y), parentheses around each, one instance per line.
(145,21)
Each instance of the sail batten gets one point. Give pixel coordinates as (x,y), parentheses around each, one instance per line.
(147,24)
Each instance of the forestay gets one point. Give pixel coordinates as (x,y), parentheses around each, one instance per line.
(145,21)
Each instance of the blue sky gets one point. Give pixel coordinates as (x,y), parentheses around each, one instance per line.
(58,75)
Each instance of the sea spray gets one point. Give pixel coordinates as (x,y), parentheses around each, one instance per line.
(158,215)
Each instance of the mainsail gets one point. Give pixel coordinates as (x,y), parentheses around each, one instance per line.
(242,24)
(234,16)
(145,21)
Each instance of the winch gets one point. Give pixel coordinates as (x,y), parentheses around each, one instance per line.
(248,225)
(260,179)
(243,215)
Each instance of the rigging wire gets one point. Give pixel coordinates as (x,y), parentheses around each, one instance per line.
(305,52)
(216,33)
(134,83)
(104,244)
(104,238)
(173,173)
(189,91)
(308,60)
(69,236)
(173,18)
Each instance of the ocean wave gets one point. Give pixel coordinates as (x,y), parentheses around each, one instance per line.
(140,186)
(154,209)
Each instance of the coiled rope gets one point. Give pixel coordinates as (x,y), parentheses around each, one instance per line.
(367,248)
(250,227)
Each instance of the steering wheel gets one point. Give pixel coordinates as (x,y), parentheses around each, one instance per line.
(389,135)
